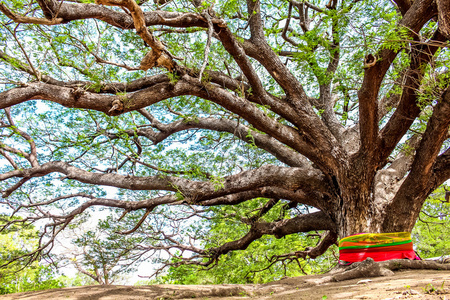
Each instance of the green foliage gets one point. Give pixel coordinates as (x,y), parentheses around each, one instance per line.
(430,234)
(76,280)
(33,278)
(173,77)
(256,264)
(251,265)
(19,276)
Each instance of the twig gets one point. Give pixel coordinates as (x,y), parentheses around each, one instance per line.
(208,45)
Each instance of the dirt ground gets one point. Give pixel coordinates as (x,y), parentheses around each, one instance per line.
(411,284)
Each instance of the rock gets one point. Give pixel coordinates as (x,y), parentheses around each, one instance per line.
(364,281)
(410,292)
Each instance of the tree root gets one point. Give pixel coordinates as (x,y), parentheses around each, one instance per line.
(370,268)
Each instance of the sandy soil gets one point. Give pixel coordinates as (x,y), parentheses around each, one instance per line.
(415,284)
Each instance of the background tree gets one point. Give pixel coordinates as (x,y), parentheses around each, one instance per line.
(105,258)
(296,116)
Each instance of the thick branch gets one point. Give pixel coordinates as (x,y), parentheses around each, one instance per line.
(255,21)
(417,185)
(70,11)
(28,20)
(262,141)
(328,240)
(444,17)
(408,109)
(309,124)
(441,169)
(301,223)
(326,99)
(310,198)
(237,52)
(419,13)
(403,5)
(289,178)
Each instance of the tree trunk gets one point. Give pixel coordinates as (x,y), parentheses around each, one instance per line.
(359,209)
(354,217)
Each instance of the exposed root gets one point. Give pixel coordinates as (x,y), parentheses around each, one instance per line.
(370,268)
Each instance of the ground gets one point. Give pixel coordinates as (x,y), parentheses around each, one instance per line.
(411,284)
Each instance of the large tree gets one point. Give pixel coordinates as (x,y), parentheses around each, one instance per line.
(306,115)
